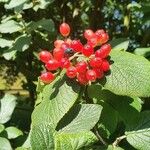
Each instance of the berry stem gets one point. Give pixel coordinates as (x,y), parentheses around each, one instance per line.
(75,55)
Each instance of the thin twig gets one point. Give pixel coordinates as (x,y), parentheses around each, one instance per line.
(99,137)
(118,139)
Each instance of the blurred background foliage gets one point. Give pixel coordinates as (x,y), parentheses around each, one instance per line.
(27,26)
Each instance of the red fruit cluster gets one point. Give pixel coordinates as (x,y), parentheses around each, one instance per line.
(66,54)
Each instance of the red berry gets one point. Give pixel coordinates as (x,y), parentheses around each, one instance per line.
(76,45)
(64,29)
(58,43)
(45,56)
(88,34)
(99,73)
(93,41)
(91,75)
(87,50)
(47,77)
(99,33)
(104,51)
(52,64)
(58,53)
(96,62)
(105,66)
(82,79)
(65,63)
(64,46)
(68,41)
(81,67)
(104,38)
(71,72)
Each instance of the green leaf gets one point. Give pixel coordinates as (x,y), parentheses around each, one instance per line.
(5,43)
(129,75)
(3,1)
(42,137)
(120,44)
(4,144)
(108,121)
(20,44)
(46,24)
(8,54)
(58,99)
(139,135)
(115,107)
(79,118)
(42,4)
(13,132)
(2,127)
(142,51)
(8,103)
(10,26)
(15,3)
(74,141)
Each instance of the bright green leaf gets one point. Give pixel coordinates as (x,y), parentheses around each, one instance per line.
(139,135)
(8,54)
(4,1)
(8,103)
(10,26)
(74,141)
(13,132)
(80,118)
(2,127)
(129,75)
(15,3)
(4,144)
(42,137)
(142,51)
(59,98)
(5,43)
(120,44)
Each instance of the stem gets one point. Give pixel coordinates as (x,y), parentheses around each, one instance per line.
(75,55)
(99,136)
(118,140)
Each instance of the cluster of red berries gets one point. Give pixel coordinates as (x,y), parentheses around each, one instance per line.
(66,53)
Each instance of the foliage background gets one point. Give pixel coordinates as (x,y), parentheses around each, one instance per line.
(27,26)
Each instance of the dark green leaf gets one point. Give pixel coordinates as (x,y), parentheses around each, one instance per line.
(46,24)
(20,44)
(120,44)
